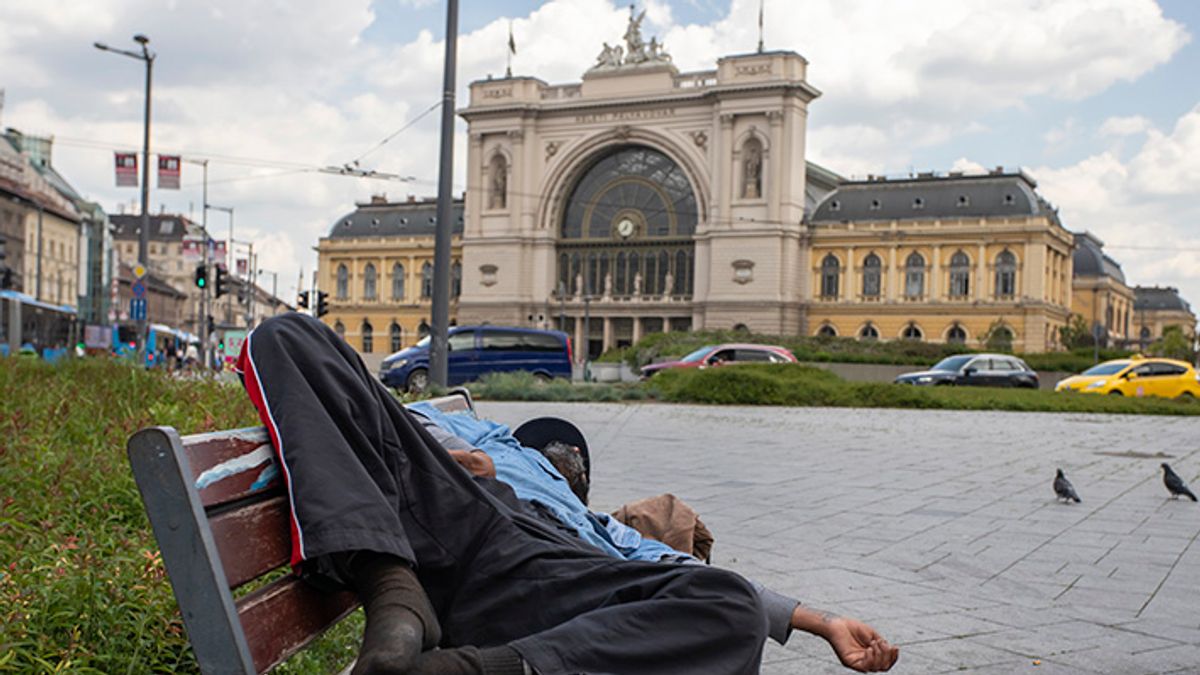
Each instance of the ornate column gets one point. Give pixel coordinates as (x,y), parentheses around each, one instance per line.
(892,275)
(607,333)
(850,290)
(935,273)
(637,329)
(981,277)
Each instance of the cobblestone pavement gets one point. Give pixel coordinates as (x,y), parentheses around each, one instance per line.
(940,528)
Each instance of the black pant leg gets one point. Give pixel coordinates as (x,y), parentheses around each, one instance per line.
(360,473)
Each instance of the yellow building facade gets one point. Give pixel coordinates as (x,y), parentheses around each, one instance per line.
(376,264)
(966,259)
(1158,307)
(1099,293)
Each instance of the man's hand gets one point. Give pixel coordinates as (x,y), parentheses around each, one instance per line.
(856,644)
(475,462)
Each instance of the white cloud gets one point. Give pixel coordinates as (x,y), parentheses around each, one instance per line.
(1144,208)
(1124,126)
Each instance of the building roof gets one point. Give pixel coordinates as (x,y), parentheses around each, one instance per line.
(1090,260)
(1159,298)
(381,218)
(163,226)
(930,195)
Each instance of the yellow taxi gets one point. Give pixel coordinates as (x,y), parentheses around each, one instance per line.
(1136,376)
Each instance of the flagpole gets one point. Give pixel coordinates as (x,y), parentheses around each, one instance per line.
(760,25)
(512,48)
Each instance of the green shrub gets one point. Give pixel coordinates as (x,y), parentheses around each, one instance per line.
(524,386)
(82,584)
(777,384)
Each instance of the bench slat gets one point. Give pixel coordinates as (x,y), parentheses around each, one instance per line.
(231,465)
(280,619)
(253,540)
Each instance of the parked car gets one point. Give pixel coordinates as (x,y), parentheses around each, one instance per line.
(718,355)
(476,350)
(1136,377)
(976,370)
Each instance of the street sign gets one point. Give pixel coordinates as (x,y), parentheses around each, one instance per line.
(139,270)
(139,289)
(137,309)
(233,342)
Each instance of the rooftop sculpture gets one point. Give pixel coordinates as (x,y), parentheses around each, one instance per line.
(636,52)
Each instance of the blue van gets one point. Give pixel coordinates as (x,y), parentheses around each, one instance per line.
(476,350)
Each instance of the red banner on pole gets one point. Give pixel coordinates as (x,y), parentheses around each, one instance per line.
(127,169)
(168,172)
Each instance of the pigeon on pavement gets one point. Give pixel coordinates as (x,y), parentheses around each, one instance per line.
(1064,489)
(1175,484)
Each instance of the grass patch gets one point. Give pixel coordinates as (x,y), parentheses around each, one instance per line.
(661,346)
(523,386)
(82,583)
(789,385)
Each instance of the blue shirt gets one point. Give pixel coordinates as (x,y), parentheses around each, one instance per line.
(533,478)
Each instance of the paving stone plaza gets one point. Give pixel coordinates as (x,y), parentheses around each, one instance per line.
(940,528)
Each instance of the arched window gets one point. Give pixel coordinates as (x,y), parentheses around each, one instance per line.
(1145,333)
(681,273)
(1006,274)
(826,330)
(664,264)
(422,328)
(564,275)
(456,279)
(912,332)
(1108,318)
(397,336)
(340,329)
(1000,339)
(343,282)
(426,281)
(368,337)
(914,276)
(498,183)
(960,275)
(872,274)
(956,334)
(620,276)
(830,273)
(369,282)
(752,165)
(869,332)
(398,281)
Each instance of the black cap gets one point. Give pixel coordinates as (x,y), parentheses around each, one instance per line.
(542,431)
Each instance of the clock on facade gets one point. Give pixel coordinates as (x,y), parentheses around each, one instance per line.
(625,228)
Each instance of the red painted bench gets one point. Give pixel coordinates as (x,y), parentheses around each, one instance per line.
(220,515)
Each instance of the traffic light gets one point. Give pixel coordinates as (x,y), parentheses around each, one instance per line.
(201,275)
(6,278)
(322,305)
(302,300)
(219,281)
(241,294)
(211,325)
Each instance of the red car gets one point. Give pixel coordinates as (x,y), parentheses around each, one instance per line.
(716,355)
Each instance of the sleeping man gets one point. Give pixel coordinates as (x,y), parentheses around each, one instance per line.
(553,479)
(441,558)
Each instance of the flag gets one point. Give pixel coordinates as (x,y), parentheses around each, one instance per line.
(168,172)
(126,163)
(512,43)
(760,24)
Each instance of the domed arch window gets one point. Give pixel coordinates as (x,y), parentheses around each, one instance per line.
(1006,274)
(343,282)
(914,276)
(397,281)
(872,276)
(340,329)
(826,330)
(831,270)
(956,335)
(960,275)
(368,337)
(396,333)
(627,228)
(868,332)
(369,282)
(912,332)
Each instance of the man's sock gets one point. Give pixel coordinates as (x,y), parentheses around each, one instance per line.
(400,621)
(472,661)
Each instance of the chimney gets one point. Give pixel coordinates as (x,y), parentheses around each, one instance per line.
(412,199)
(379,199)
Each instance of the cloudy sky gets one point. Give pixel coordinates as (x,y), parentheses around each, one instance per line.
(1097,99)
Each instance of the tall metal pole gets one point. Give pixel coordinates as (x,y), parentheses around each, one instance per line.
(144,238)
(38,282)
(445,219)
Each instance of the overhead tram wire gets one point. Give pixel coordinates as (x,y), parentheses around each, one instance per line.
(395,133)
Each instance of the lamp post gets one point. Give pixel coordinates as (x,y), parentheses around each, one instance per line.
(440,312)
(147,57)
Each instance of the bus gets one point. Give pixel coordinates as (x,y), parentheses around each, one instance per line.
(31,325)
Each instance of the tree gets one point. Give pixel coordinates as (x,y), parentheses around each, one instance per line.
(1173,345)
(999,337)
(1077,333)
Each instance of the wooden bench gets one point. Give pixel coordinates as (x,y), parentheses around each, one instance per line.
(220,515)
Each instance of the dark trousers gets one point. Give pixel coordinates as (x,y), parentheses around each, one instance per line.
(361,474)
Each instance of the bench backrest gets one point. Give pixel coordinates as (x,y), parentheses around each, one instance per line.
(220,515)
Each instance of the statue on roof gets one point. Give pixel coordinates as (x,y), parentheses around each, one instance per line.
(635,48)
(636,51)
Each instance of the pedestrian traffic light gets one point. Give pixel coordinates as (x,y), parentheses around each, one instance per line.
(302,300)
(211,325)
(219,281)
(322,305)
(201,275)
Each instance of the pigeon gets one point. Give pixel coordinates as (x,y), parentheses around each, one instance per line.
(1175,484)
(1064,489)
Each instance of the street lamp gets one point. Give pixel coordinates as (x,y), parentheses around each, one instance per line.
(146,56)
